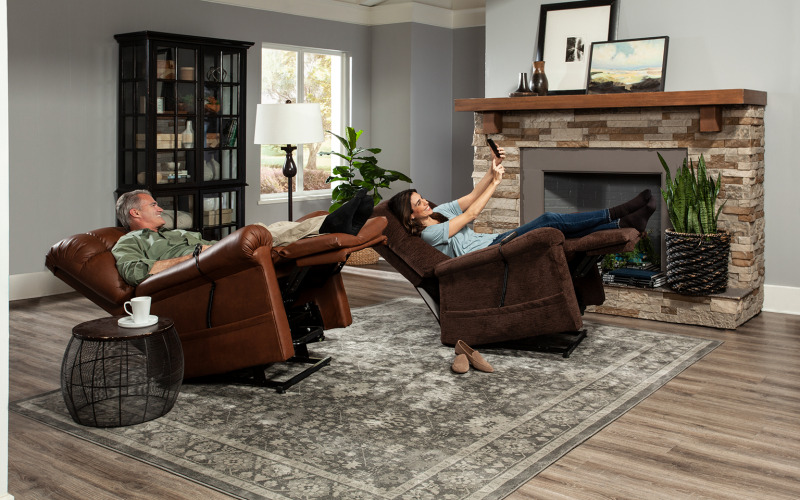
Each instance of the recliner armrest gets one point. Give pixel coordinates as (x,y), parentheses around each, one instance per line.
(536,241)
(335,245)
(245,248)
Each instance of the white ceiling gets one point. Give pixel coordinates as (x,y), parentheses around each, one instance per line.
(443,13)
(443,4)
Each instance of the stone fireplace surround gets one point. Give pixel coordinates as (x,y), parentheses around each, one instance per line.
(725,126)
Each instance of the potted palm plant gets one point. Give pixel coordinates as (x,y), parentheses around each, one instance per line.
(361,161)
(697,251)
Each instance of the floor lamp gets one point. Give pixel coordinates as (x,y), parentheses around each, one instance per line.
(290,123)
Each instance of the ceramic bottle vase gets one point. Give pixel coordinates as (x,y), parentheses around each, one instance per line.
(539,79)
(187,137)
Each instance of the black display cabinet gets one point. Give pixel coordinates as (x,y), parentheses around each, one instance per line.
(182,127)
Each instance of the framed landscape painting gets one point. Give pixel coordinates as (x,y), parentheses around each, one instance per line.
(626,66)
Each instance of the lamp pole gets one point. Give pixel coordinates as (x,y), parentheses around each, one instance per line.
(289,170)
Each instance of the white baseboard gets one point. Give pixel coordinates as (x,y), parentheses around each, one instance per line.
(31,285)
(781,299)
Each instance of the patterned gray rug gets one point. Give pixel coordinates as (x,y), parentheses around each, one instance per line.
(388,419)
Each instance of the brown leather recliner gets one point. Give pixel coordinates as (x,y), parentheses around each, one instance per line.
(535,284)
(257,289)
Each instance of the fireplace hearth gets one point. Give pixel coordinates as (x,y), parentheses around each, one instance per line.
(725,126)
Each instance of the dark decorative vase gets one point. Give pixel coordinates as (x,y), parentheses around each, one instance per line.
(539,79)
(523,83)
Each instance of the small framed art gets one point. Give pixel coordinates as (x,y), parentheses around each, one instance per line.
(566,31)
(627,66)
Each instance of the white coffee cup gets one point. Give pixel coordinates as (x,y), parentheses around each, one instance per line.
(139,309)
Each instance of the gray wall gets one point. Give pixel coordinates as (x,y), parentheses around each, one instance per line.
(63,91)
(468,64)
(63,71)
(415,68)
(714,44)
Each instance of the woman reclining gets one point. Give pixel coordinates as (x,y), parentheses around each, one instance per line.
(446,227)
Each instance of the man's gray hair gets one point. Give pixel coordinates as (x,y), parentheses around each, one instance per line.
(126,202)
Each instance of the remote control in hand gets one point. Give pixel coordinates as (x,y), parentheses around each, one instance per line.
(493,146)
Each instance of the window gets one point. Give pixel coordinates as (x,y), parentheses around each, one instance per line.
(322,74)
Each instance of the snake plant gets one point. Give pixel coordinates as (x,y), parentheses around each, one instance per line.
(690,198)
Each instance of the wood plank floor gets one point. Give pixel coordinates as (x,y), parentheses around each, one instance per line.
(728,427)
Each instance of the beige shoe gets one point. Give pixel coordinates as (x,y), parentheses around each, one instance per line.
(460,364)
(474,357)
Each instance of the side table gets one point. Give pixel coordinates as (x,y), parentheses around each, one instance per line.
(113,376)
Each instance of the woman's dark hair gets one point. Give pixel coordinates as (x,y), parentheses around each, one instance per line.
(400,206)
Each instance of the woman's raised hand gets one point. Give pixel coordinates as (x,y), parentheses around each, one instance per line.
(497,172)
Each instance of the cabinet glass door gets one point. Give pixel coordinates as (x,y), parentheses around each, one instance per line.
(219,214)
(222,106)
(133,109)
(178,210)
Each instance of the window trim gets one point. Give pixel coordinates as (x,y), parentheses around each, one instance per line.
(345,93)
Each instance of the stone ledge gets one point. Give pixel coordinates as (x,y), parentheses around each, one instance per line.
(726,310)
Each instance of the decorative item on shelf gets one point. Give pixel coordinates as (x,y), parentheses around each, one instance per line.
(186,104)
(165,69)
(216,74)
(522,89)
(643,69)
(211,104)
(186,73)
(697,251)
(539,79)
(187,137)
(289,123)
(373,177)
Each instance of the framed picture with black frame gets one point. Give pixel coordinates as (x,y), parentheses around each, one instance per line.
(628,66)
(566,31)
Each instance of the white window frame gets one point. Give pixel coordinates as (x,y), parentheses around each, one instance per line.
(344,119)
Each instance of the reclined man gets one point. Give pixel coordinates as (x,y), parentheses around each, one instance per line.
(148,248)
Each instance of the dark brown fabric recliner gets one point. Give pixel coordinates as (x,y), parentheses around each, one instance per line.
(258,288)
(535,284)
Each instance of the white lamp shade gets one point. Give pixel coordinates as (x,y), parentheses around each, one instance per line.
(296,123)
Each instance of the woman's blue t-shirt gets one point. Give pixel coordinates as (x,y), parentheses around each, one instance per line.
(464,241)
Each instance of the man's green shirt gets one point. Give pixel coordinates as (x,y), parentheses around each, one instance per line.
(137,251)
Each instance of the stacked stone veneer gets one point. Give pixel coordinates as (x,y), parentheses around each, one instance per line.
(736,151)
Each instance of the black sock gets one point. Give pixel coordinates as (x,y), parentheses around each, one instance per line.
(638,219)
(363,213)
(630,206)
(341,220)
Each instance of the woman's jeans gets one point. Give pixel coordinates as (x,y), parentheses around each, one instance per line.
(572,225)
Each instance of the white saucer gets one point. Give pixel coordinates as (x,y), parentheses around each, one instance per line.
(127,322)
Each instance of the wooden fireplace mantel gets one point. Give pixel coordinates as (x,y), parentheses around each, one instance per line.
(710,103)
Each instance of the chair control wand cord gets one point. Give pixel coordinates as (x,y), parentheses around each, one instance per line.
(196,254)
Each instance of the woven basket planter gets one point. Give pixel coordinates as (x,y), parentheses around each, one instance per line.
(363,257)
(697,264)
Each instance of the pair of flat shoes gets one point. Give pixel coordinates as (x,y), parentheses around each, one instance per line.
(466,356)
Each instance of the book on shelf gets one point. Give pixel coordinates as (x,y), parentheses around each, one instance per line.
(229,133)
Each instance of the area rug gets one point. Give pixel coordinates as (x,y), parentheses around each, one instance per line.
(388,419)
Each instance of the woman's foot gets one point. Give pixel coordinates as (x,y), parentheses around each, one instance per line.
(630,206)
(638,219)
